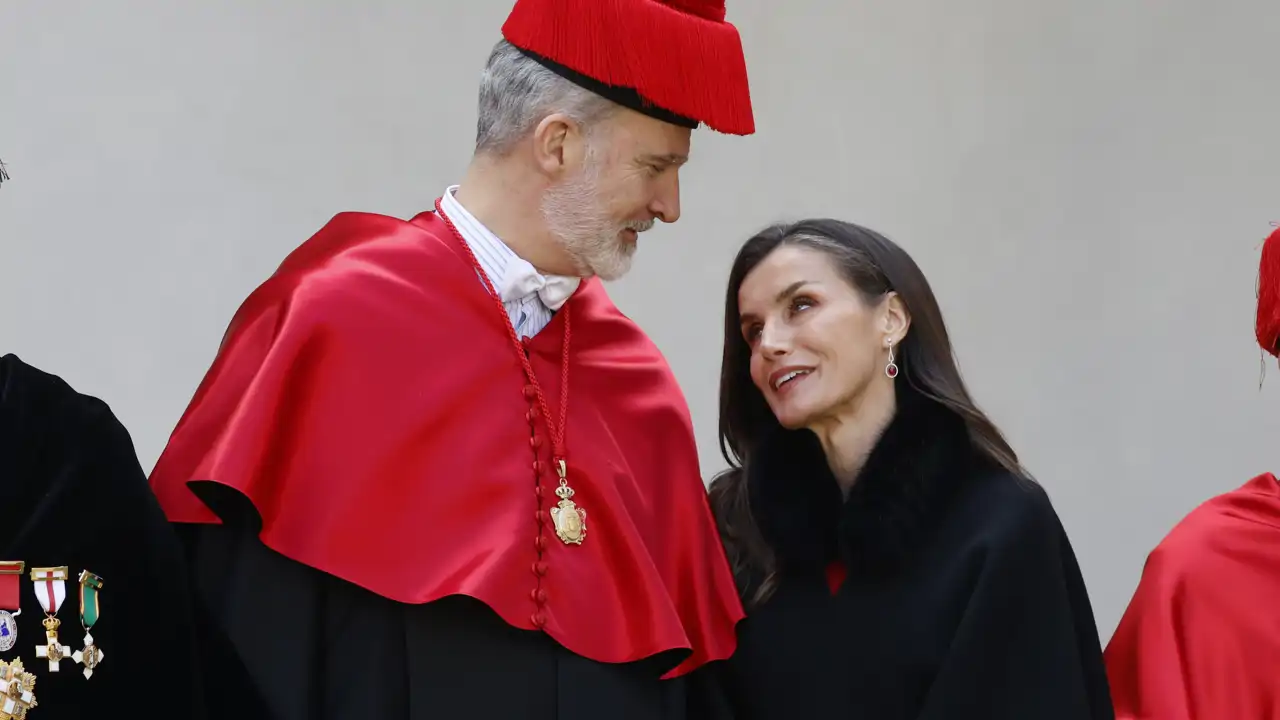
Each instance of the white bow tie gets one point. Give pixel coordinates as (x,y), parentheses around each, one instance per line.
(522,279)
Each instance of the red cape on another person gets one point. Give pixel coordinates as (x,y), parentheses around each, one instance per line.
(368,401)
(1200,639)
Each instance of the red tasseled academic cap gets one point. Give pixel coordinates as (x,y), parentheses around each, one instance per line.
(1269,295)
(676,60)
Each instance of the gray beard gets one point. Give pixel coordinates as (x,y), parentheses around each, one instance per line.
(574,215)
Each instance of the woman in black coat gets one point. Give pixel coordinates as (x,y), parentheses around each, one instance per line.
(894,558)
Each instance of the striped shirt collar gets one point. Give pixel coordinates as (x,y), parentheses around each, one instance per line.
(508,272)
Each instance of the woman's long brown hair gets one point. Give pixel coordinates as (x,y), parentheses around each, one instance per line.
(875,266)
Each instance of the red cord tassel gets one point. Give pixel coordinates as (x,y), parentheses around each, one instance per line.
(684,59)
(1269,295)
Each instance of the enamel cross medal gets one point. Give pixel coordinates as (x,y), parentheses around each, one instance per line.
(17,690)
(51,589)
(91,655)
(10,602)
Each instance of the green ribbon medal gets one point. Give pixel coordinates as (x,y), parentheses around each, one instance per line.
(91,656)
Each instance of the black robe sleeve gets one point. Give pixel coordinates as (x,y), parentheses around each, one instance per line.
(320,648)
(709,694)
(72,493)
(1026,645)
(300,635)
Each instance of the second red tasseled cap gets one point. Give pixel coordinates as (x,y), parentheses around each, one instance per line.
(1269,295)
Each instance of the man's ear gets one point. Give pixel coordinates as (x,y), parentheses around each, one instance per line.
(557,144)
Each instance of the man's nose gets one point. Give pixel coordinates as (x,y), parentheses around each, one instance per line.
(666,206)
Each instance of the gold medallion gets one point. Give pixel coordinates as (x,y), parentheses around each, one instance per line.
(569,519)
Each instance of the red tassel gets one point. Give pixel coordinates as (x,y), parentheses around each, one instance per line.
(710,9)
(680,54)
(1269,295)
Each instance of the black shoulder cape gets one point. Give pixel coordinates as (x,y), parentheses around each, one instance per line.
(962,597)
(73,494)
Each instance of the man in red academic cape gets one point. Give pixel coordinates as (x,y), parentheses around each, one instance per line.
(433,471)
(1201,637)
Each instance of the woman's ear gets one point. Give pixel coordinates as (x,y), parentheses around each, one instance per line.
(895,318)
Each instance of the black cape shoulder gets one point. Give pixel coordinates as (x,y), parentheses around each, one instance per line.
(72,493)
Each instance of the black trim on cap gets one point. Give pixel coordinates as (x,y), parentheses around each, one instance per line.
(624,96)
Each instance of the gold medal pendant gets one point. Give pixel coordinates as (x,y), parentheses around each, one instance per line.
(570,520)
(17,690)
(51,590)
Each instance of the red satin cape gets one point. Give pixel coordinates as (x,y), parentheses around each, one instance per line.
(1201,636)
(366,398)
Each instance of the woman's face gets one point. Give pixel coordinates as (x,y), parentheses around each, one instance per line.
(816,346)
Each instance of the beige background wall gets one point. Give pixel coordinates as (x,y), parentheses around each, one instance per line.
(1086,184)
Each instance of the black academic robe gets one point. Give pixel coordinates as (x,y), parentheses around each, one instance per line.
(365,510)
(73,494)
(943,587)
(321,648)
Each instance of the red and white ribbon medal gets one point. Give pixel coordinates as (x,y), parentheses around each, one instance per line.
(50,584)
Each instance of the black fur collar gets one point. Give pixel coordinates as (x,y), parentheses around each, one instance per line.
(899,498)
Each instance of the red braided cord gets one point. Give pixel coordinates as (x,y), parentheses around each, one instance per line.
(557,431)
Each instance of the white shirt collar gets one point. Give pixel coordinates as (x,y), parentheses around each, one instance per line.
(513,277)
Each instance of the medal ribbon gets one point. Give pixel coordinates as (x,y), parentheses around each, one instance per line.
(10,576)
(90,584)
(50,586)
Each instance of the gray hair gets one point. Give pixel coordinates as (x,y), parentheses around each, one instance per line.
(516,93)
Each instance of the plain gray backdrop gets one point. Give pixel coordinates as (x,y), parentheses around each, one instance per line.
(1086,184)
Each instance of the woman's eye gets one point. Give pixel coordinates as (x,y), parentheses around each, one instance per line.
(801,303)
